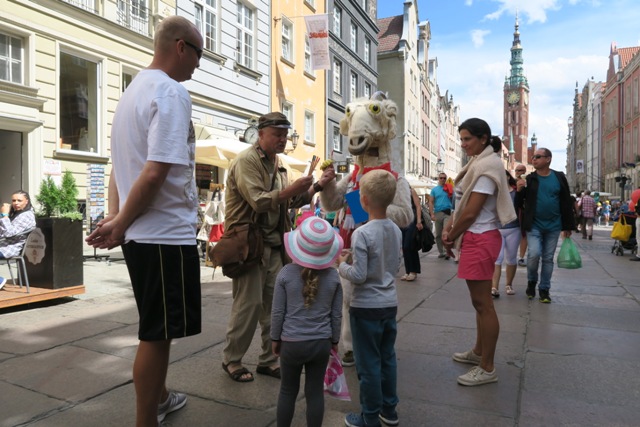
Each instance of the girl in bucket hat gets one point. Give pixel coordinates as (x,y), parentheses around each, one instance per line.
(306,316)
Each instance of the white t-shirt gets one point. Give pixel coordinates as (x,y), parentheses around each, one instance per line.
(487,219)
(152,122)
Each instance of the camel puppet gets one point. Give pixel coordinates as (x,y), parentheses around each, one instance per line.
(370,125)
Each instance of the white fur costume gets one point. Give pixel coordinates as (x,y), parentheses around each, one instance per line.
(370,125)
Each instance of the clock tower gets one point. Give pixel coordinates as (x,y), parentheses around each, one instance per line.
(516,105)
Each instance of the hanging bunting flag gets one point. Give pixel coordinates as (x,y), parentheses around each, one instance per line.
(318,32)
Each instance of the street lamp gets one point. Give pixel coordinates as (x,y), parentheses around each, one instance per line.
(294,141)
(440,166)
(622,181)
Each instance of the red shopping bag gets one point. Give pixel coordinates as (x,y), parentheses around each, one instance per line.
(335,383)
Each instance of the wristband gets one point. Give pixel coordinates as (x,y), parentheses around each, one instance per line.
(3,215)
(317,187)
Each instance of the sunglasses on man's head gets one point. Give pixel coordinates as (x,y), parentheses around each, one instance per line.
(537,156)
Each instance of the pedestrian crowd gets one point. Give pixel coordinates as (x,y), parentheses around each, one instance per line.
(311,292)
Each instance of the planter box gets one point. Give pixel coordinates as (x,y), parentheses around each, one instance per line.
(54,255)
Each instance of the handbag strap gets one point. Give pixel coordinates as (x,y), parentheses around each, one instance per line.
(254,216)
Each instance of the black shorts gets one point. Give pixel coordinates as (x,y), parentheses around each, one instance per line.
(166,284)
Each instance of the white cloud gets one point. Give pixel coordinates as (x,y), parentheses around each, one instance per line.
(477,37)
(535,10)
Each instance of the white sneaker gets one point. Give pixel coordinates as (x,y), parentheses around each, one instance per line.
(467,357)
(478,376)
(174,402)
(2,282)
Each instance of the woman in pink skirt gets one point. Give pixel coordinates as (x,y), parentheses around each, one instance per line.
(482,205)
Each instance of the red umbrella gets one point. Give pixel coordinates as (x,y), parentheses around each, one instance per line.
(634,199)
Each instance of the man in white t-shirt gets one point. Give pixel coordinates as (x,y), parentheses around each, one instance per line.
(153,210)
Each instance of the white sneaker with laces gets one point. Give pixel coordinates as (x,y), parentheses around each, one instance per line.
(467,357)
(174,402)
(478,376)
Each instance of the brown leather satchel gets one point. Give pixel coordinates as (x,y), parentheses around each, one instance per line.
(238,250)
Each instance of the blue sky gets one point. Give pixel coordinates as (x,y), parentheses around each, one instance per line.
(564,42)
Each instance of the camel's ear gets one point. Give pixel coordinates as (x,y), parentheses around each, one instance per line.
(344,126)
(391,111)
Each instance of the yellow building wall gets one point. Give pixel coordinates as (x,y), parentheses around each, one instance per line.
(290,82)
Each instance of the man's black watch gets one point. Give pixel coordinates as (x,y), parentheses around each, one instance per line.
(317,187)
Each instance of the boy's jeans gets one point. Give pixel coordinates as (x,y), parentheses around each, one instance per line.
(375,354)
(542,245)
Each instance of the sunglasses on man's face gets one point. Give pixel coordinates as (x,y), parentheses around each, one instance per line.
(537,156)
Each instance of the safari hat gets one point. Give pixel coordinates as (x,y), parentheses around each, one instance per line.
(274,120)
(313,244)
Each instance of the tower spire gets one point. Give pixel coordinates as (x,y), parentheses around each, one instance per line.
(517,76)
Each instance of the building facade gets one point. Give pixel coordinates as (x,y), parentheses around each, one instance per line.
(621,121)
(353,48)
(584,165)
(427,120)
(66,64)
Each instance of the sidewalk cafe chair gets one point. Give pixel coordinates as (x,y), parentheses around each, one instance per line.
(21,266)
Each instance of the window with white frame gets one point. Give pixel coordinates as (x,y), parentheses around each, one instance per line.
(337,139)
(287,39)
(337,77)
(245,36)
(134,14)
(11,59)
(287,110)
(79,95)
(309,126)
(353,87)
(337,21)
(354,37)
(127,78)
(206,17)
(367,90)
(367,51)
(308,67)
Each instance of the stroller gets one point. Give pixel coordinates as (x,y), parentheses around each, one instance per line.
(631,245)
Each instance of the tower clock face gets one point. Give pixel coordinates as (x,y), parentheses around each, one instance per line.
(513,97)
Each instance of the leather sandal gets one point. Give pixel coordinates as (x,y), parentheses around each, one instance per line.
(411,277)
(404,277)
(495,293)
(509,290)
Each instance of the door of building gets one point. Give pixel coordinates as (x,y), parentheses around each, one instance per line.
(11,171)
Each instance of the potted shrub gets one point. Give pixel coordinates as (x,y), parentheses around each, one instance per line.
(55,255)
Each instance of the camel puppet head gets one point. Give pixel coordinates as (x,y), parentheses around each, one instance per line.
(370,124)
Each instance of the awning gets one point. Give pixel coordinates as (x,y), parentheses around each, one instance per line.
(220,151)
(422,187)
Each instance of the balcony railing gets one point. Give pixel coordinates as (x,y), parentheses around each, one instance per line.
(131,14)
(88,5)
(134,15)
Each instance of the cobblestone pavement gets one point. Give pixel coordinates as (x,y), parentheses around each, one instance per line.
(570,363)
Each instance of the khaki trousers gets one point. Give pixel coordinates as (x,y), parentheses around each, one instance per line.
(252,301)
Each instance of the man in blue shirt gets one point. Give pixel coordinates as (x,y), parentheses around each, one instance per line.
(548,211)
(440,202)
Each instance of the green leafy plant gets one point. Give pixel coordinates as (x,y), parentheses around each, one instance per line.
(59,201)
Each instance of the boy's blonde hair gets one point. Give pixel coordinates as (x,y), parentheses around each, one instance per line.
(379,186)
